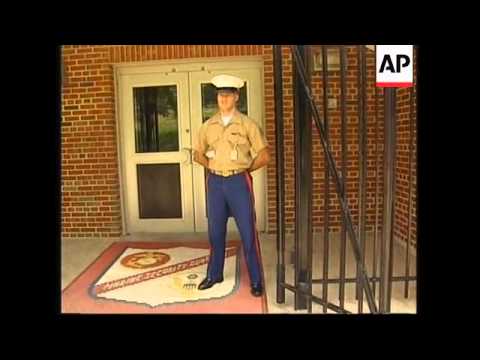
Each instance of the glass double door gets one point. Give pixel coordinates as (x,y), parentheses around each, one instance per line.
(160,112)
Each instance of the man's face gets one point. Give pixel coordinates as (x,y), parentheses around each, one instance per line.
(226,100)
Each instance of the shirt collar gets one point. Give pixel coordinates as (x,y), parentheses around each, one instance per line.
(217,118)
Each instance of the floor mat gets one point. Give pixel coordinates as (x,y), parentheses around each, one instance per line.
(151,277)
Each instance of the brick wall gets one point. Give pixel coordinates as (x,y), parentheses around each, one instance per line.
(405,131)
(90,184)
(90,191)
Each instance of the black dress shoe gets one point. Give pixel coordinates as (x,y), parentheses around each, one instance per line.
(257,290)
(208,283)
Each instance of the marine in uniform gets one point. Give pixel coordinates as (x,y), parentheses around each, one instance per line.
(231,145)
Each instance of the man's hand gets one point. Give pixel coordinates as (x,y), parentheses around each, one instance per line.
(200,158)
(262,159)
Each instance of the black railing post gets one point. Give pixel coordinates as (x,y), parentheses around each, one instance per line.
(386,260)
(362,151)
(326,198)
(343,131)
(303,185)
(278,88)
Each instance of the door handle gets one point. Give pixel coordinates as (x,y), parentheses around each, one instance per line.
(189,156)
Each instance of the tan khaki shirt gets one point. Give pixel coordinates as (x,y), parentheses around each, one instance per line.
(218,142)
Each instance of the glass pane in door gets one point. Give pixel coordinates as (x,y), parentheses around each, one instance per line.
(155,118)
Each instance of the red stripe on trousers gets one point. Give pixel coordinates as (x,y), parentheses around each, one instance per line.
(249,178)
(206,210)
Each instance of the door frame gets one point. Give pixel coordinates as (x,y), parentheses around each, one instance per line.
(178,65)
